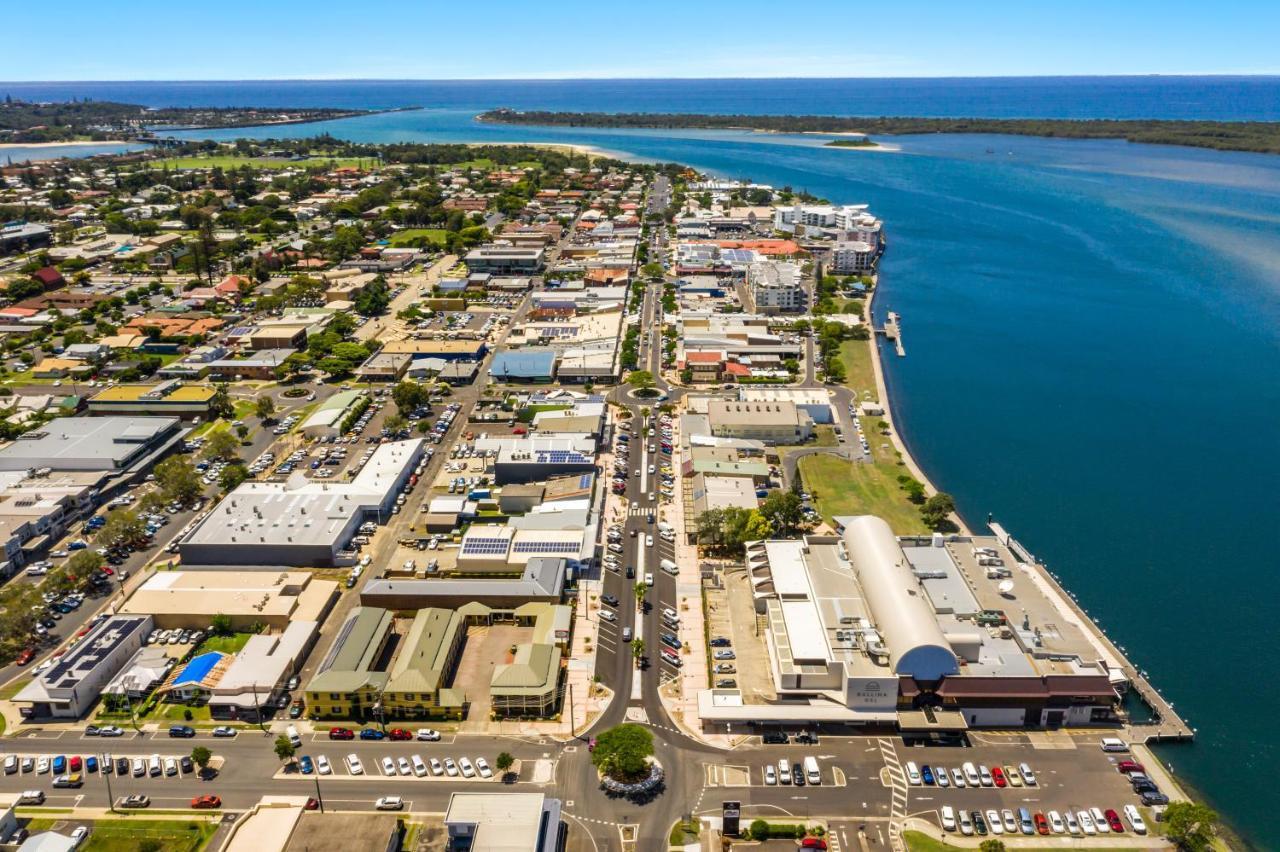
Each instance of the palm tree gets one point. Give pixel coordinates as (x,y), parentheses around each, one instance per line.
(637,649)
(641,591)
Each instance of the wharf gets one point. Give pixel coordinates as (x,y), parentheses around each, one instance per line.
(892,330)
(1165,725)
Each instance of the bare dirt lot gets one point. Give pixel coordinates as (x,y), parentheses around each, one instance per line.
(486,647)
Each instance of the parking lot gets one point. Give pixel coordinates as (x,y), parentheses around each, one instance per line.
(731,613)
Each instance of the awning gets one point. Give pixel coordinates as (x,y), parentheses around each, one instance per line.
(934,720)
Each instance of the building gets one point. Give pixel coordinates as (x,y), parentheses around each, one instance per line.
(333,415)
(346,684)
(274,598)
(384,367)
(333,832)
(71,687)
(83,444)
(532,364)
(506,260)
(257,676)
(144,671)
(814,402)
(772,422)
(540,459)
(853,257)
(301,521)
(722,492)
(445,350)
(170,397)
(867,628)
(24,236)
(542,581)
(775,288)
(252,365)
(426,660)
(504,822)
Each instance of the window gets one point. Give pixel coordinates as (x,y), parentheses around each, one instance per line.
(408,696)
(333,696)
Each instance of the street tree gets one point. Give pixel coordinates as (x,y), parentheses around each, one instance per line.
(1191,827)
(409,396)
(637,649)
(220,404)
(201,756)
(622,752)
(784,511)
(504,761)
(178,479)
(284,749)
(123,526)
(221,444)
(640,380)
(641,591)
(81,565)
(232,475)
(265,408)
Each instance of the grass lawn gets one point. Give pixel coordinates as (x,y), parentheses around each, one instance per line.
(14,688)
(860,376)
(177,713)
(226,644)
(119,835)
(919,842)
(231,162)
(842,487)
(527,413)
(433,236)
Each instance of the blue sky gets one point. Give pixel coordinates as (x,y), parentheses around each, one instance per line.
(430,39)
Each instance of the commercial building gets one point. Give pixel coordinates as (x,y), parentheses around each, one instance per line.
(333,832)
(506,260)
(426,660)
(329,418)
(170,397)
(532,364)
(539,459)
(775,288)
(542,581)
(867,628)
(252,365)
(385,367)
(89,444)
(274,598)
(722,492)
(504,822)
(814,402)
(144,671)
(300,521)
(771,422)
(258,674)
(23,236)
(70,688)
(853,257)
(347,684)
(445,350)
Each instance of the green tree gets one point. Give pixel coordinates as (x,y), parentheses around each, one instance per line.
(637,649)
(1190,826)
(396,422)
(640,379)
(504,761)
(410,395)
(936,509)
(221,444)
(991,845)
(641,591)
(231,476)
(265,408)
(335,367)
(201,756)
(221,624)
(177,478)
(220,404)
(651,270)
(284,749)
(123,526)
(622,752)
(783,510)
(82,565)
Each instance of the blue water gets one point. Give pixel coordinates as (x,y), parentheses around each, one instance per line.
(1092,328)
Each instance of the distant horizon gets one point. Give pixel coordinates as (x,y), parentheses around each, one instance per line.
(672,79)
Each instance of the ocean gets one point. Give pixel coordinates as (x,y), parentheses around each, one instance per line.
(1092,329)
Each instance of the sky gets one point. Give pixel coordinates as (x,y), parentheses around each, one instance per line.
(502,39)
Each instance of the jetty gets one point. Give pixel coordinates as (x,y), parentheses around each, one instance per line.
(892,330)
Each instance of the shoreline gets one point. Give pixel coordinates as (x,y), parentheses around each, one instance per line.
(8,146)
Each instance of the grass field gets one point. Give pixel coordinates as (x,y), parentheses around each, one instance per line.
(230,162)
(919,842)
(434,236)
(177,713)
(126,834)
(860,375)
(842,487)
(226,644)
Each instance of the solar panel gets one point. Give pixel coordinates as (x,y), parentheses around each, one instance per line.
(547,547)
(484,546)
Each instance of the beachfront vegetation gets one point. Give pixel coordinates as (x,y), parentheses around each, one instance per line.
(1258,136)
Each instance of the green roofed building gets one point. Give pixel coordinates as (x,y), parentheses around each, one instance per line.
(426,661)
(346,686)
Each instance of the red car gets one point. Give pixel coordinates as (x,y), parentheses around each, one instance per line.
(312,804)
(76,764)
(1042,824)
(341,734)
(1128,766)
(997,775)
(27,655)
(399,734)
(1113,820)
(813,843)
(206,802)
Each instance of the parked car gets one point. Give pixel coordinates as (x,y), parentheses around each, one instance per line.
(342,734)
(389,803)
(137,800)
(206,802)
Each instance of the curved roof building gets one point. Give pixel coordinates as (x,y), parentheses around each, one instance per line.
(898,607)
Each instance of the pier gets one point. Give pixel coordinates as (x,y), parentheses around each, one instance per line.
(1165,724)
(892,330)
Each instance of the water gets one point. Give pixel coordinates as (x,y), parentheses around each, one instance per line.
(32,153)
(1093,332)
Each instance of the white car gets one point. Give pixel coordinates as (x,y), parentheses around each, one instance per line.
(389,803)
(1100,820)
(323,766)
(403,765)
(993,821)
(428,735)
(78,836)
(388,766)
(450,768)
(468,771)
(419,767)
(354,766)
(941,777)
(1086,822)
(948,818)
(1028,777)
(770,775)
(1136,822)
(607,615)
(1056,825)
(482,766)
(1010,823)
(436,767)
(957,778)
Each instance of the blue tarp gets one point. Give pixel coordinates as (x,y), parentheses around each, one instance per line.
(198,668)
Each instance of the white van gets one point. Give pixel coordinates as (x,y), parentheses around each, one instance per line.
(664,527)
(1113,744)
(669,566)
(294,738)
(913,774)
(811,770)
(948,818)
(31,797)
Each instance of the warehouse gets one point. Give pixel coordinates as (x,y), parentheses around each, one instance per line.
(533,364)
(772,422)
(274,598)
(301,521)
(71,687)
(90,444)
(334,413)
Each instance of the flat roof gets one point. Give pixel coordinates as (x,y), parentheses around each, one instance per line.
(265,593)
(85,443)
(333,832)
(140,393)
(85,657)
(504,822)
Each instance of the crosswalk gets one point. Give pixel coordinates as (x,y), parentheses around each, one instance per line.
(898,802)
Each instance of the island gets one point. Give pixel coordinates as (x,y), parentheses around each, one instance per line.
(1255,136)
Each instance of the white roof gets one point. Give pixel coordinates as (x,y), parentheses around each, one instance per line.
(804,631)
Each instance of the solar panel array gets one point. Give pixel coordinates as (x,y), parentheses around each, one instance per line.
(547,547)
(584,481)
(484,546)
(561,457)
